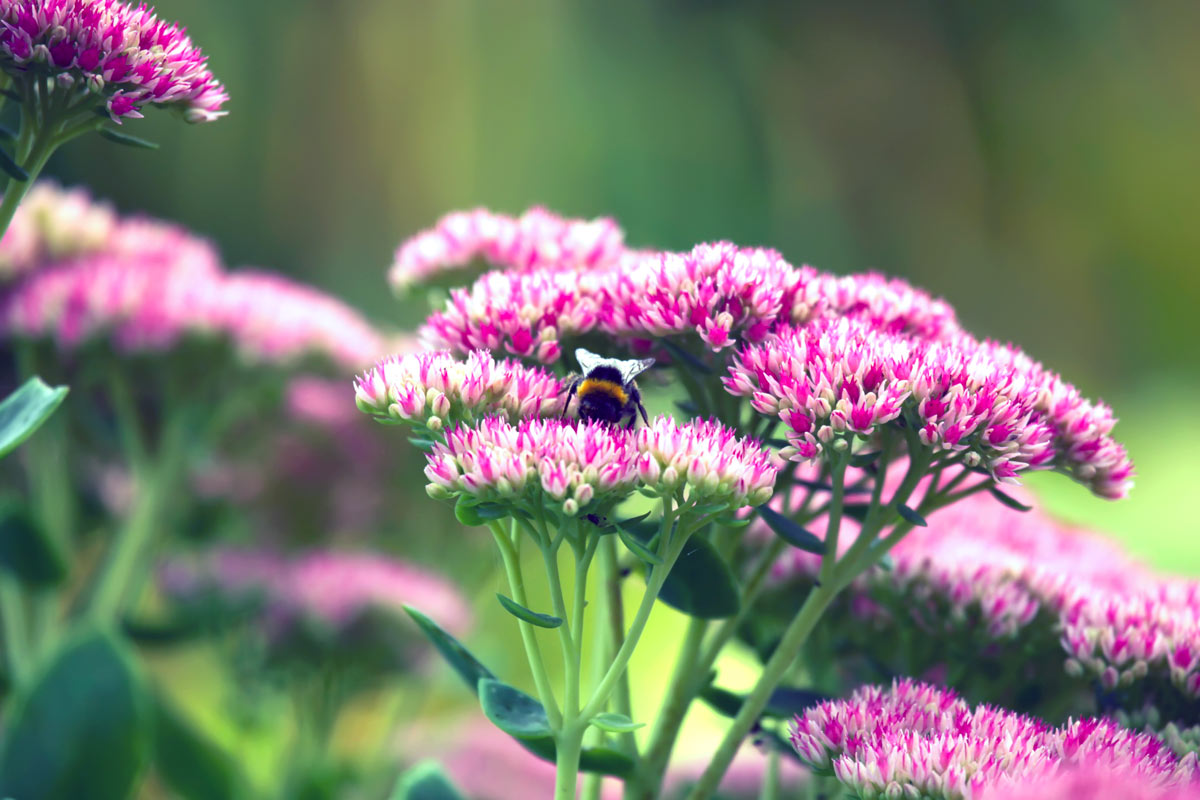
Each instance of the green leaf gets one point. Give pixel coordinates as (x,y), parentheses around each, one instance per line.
(911,516)
(24,411)
(194,767)
(784,702)
(864,459)
(532,617)
(686,357)
(637,548)
(594,759)
(421,444)
(7,133)
(117,137)
(466,510)
(710,508)
(425,781)
(701,584)
(1011,502)
(12,168)
(887,563)
(466,665)
(615,723)
(81,728)
(491,511)
(856,511)
(792,532)
(513,711)
(11,95)
(26,550)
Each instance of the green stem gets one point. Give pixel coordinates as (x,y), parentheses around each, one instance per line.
(773,671)
(771,787)
(16,632)
(510,555)
(622,699)
(127,556)
(568,745)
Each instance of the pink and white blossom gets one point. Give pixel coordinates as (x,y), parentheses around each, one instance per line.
(437,389)
(922,741)
(707,459)
(116,49)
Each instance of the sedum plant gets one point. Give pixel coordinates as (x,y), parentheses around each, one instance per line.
(809,400)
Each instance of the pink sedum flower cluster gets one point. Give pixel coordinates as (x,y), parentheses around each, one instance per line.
(145,285)
(573,464)
(578,464)
(114,48)
(1091,784)
(707,459)
(52,224)
(990,404)
(538,239)
(915,740)
(328,587)
(436,389)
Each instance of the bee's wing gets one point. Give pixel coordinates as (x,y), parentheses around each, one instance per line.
(634,367)
(588,360)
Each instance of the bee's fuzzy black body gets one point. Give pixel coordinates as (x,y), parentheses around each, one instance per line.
(606,389)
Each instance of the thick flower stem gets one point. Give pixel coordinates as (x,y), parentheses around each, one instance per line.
(569,745)
(614,604)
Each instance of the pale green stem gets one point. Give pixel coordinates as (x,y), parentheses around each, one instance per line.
(615,607)
(16,632)
(771,789)
(133,542)
(569,745)
(510,555)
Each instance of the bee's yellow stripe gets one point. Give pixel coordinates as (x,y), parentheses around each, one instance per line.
(591,386)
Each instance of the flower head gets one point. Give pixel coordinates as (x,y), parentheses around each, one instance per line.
(890,304)
(52,224)
(111,47)
(919,740)
(436,389)
(575,465)
(1089,783)
(990,403)
(523,313)
(708,459)
(538,239)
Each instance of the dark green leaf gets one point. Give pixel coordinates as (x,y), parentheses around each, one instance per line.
(12,168)
(81,728)
(466,510)
(421,444)
(24,411)
(26,550)
(791,532)
(425,781)
(7,133)
(637,548)
(710,508)
(11,95)
(784,702)
(856,511)
(864,459)
(532,617)
(189,763)
(887,563)
(1011,502)
(466,665)
(911,516)
(117,137)
(490,511)
(701,584)
(817,486)
(513,711)
(688,407)
(686,358)
(615,723)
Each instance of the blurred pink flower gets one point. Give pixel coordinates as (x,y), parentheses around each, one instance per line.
(919,740)
(112,47)
(327,587)
(1090,784)
(52,224)
(537,239)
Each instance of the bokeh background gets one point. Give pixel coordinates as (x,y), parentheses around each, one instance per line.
(1034,162)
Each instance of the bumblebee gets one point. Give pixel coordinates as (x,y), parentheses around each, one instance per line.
(606,389)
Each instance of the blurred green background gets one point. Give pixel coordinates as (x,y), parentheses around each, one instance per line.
(1033,162)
